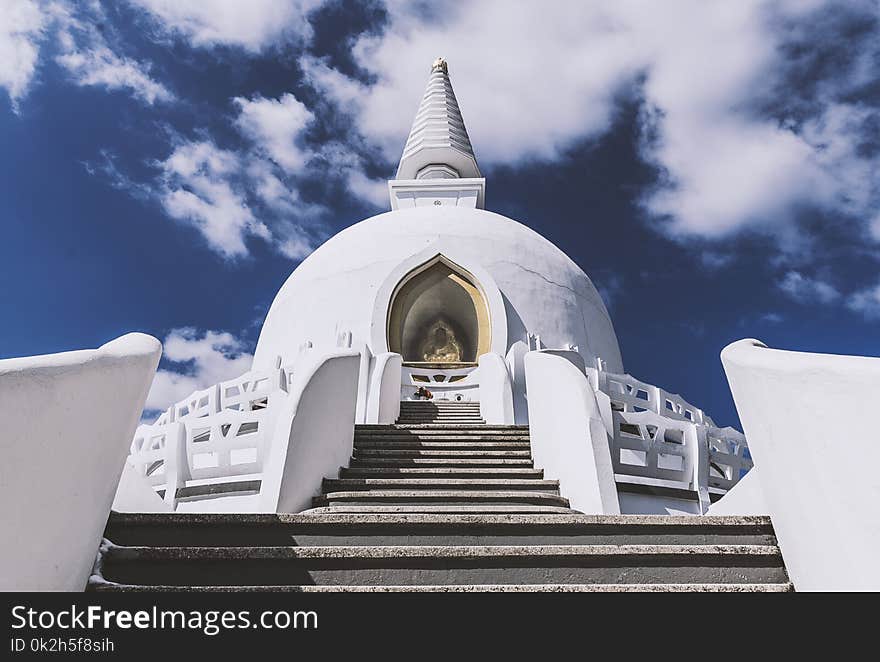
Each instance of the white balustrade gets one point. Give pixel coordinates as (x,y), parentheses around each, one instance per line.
(653,446)
(213,433)
(658,434)
(444,383)
(729,457)
(227,444)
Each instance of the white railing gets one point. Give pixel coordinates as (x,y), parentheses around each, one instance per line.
(729,457)
(660,435)
(226,444)
(649,445)
(214,433)
(149,449)
(632,395)
(457,384)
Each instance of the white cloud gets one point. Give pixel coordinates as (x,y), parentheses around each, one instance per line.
(21,29)
(252,25)
(610,288)
(293,241)
(866,302)
(90,60)
(714,260)
(229,196)
(202,358)
(276,126)
(374,191)
(771,318)
(808,290)
(533,79)
(84,51)
(99,66)
(529,78)
(200,185)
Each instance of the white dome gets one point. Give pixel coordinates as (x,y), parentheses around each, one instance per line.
(531,286)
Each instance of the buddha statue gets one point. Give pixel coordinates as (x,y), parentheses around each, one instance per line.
(440,345)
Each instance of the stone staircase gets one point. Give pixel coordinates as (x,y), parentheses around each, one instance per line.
(438,502)
(440,458)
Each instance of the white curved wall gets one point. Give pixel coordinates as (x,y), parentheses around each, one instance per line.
(496,391)
(541,290)
(569,440)
(810,422)
(314,432)
(383,401)
(68,420)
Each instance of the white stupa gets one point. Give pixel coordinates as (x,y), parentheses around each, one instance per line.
(437,400)
(477,309)
(438,258)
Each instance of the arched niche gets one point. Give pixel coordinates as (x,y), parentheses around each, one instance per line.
(438,315)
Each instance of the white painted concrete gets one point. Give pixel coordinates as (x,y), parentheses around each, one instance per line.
(744,498)
(809,422)
(68,420)
(383,403)
(569,441)
(314,432)
(496,393)
(136,495)
(516,366)
(537,288)
(653,504)
(438,135)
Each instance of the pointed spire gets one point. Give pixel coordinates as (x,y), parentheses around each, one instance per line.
(438,146)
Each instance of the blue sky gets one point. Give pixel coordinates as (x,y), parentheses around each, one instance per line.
(713,166)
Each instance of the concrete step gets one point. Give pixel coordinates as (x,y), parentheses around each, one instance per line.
(432,462)
(441,439)
(448,411)
(438,404)
(462,454)
(448,429)
(457,411)
(453,472)
(438,496)
(334,528)
(438,420)
(461,415)
(444,565)
(448,509)
(440,412)
(106,587)
(441,433)
(480,484)
(446,444)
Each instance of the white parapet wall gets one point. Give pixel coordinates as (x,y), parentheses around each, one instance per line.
(667,455)
(808,418)
(68,420)
(383,398)
(745,498)
(496,392)
(251,444)
(314,432)
(569,440)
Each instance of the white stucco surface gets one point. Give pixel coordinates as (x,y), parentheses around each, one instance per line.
(383,400)
(68,420)
(569,440)
(314,432)
(135,495)
(808,419)
(530,285)
(746,498)
(496,393)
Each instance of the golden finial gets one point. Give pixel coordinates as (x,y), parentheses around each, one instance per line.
(439,65)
